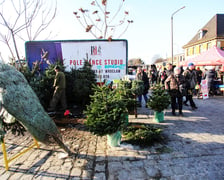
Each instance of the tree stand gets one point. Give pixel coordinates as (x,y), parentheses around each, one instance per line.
(7,161)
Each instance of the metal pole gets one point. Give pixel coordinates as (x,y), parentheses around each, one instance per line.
(172,39)
(172,31)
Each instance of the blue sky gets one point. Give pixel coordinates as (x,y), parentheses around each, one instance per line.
(150,34)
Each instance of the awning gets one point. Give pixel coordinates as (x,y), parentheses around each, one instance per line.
(212,57)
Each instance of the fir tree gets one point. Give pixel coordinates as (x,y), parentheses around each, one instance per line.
(107,112)
(160,99)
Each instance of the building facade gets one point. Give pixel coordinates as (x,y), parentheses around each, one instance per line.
(212,34)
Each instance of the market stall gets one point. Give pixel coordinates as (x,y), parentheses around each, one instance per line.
(212,57)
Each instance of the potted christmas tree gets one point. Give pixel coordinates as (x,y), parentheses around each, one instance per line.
(158,101)
(107,114)
(128,92)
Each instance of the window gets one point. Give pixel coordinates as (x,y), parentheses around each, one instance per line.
(209,45)
(201,33)
(200,48)
(193,50)
(187,52)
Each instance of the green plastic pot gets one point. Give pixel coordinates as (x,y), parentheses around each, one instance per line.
(114,139)
(159,116)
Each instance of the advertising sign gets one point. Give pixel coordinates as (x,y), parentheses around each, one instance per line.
(108,58)
(204,89)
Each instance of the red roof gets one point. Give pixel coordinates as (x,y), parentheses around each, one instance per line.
(213,56)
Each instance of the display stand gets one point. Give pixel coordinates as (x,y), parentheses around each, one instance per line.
(7,161)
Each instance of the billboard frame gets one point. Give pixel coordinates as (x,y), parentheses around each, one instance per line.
(29,44)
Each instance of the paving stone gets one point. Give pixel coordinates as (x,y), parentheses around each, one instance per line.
(100,167)
(76,172)
(99,176)
(195,143)
(151,171)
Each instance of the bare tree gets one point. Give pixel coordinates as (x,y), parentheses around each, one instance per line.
(101,22)
(26,21)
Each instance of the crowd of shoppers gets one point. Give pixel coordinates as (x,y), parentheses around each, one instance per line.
(182,84)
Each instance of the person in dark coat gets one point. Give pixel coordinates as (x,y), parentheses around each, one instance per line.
(199,78)
(199,75)
(191,81)
(162,76)
(141,75)
(210,76)
(153,74)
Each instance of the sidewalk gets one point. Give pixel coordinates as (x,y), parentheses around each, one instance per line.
(194,151)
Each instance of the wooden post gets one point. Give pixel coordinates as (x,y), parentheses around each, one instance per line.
(135,107)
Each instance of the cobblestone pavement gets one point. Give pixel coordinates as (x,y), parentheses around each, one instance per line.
(194,151)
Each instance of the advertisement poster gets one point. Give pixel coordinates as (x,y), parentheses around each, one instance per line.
(108,58)
(204,89)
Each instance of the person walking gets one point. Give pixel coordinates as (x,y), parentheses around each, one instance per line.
(210,76)
(59,90)
(153,75)
(141,75)
(191,80)
(199,78)
(199,75)
(162,76)
(175,84)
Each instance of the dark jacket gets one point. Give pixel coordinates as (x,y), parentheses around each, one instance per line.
(143,76)
(210,75)
(190,78)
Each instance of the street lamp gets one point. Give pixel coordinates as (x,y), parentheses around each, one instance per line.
(172,31)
